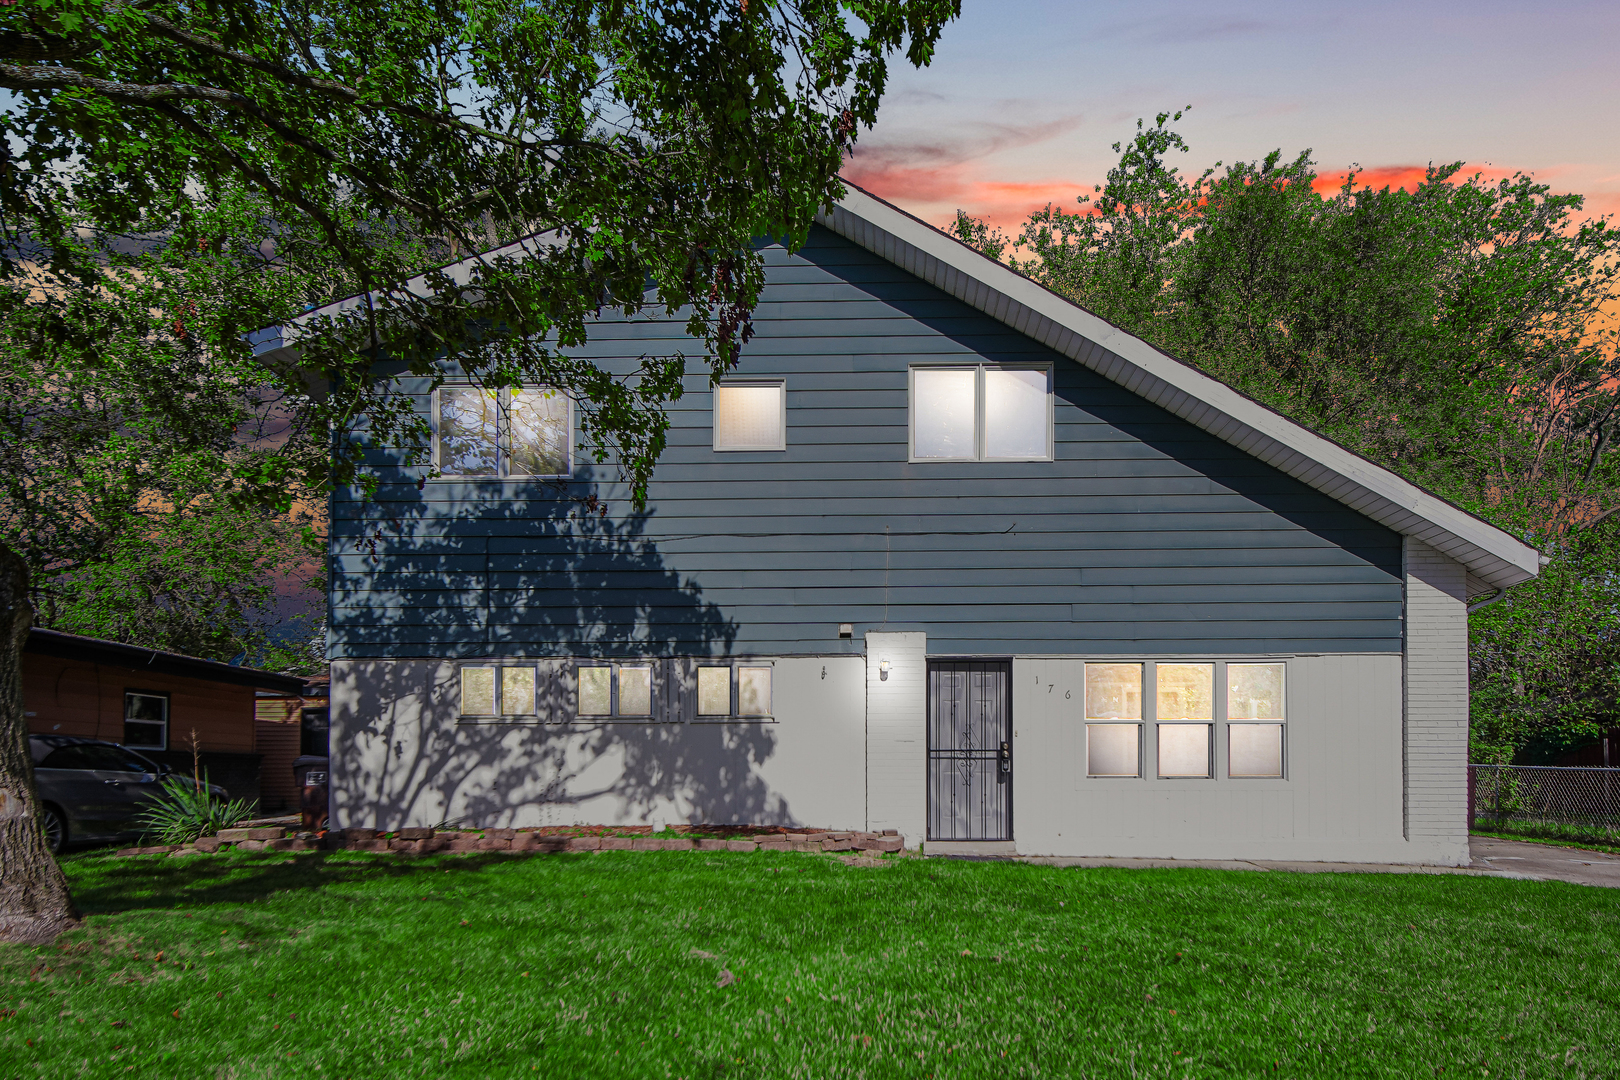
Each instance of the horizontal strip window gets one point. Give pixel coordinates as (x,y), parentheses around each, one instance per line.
(614,691)
(518,433)
(734,691)
(1183,724)
(491,691)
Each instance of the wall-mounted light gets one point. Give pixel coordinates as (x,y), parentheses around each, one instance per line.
(846,630)
(883,671)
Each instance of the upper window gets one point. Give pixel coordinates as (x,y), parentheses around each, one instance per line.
(750,416)
(146,720)
(981,412)
(502,433)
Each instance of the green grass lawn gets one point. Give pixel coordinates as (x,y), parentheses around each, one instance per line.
(681,964)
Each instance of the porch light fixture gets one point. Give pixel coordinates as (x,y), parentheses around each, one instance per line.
(883,671)
(846,630)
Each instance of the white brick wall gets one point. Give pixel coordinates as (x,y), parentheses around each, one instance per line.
(1436,730)
(897,734)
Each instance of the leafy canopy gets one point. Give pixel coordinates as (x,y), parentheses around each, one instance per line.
(645,144)
(1461,334)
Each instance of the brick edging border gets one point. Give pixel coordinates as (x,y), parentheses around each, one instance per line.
(466,841)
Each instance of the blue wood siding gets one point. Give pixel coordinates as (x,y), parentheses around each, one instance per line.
(1145,535)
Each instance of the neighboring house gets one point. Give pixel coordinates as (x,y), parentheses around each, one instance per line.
(154,702)
(288,726)
(946,554)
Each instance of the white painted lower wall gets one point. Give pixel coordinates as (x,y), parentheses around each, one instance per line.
(400,758)
(1340,798)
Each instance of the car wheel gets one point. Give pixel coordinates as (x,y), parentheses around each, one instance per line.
(56,832)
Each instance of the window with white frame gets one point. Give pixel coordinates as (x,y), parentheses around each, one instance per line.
(614,690)
(1184,700)
(497,690)
(1255,720)
(1113,702)
(750,415)
(526,432)
(734,691)
(146,720)
(981,412)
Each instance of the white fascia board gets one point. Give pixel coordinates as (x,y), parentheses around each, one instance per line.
(1491,555)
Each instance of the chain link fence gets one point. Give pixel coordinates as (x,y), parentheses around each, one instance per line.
(1549,794)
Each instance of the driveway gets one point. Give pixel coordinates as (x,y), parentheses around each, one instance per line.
(1543,862)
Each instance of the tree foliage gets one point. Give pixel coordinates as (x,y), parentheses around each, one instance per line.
(1461,334)
(643,146)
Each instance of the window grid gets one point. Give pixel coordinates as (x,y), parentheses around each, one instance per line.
(543,415)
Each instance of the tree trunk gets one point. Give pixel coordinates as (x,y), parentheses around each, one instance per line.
(34,901)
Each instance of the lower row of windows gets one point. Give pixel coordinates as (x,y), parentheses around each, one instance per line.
(631,691)
(1185,751)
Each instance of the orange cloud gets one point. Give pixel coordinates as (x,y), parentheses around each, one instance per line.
(935,193)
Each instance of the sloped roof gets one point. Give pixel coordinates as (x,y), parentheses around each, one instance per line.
(1493,558)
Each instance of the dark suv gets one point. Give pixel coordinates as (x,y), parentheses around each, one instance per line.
(93,790)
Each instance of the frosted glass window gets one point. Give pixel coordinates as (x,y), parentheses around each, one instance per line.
(539,433)
(753,691)
(1017,413)
(714,691)
(750,416)
(1185,691)
(1184,749)
(477,691)
(595,691)
(1113,749)
(1254,750)
(467,431)
(1113,691)
(943,408)
(517,691)
(635,691)
(1254,691)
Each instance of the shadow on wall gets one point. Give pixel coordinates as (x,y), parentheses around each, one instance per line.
(531,583)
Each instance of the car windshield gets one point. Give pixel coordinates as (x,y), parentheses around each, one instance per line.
(101,756)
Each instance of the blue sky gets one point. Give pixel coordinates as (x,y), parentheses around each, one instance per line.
(1024,98)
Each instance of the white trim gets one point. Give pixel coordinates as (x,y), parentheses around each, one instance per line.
(1489,553)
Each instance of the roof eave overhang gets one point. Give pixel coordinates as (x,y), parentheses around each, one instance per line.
(1490,555)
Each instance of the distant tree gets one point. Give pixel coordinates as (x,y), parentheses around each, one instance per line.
(643,146)
(1460,334)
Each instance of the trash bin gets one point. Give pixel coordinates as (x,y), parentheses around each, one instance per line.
(310,773)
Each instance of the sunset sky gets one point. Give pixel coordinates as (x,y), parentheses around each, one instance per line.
(1025,97)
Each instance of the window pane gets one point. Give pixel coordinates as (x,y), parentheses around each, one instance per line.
(635,691)
(146,707)
(753,691)
(1254,691)
(714,691)
(1016,414)
(748,418)
(477,691)
(517,691)
(540,434)
(1254,750)
(141,734)
(1184,749)
(595,691)
(1113,749)
(1186,691)
(1113,691)
(942,406)
(466,431)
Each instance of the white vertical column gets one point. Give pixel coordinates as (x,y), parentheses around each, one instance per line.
(897,734)
(1436,691)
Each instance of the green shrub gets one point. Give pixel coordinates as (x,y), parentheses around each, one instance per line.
(188,810)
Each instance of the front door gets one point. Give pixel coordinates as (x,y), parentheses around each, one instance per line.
(969,750)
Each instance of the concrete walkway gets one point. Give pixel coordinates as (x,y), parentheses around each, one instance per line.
(1491,858)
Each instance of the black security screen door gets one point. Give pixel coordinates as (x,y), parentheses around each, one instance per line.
(969,750)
